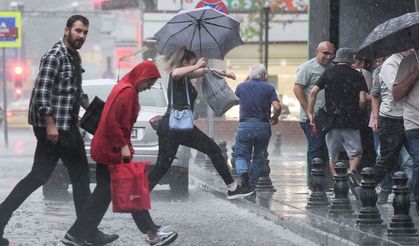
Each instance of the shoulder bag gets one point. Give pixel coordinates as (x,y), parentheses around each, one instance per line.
(324,120)
(180,119)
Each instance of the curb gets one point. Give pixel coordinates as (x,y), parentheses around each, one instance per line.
(305,230)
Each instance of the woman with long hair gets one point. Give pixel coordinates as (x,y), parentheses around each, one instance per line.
(183,65)
(111,144)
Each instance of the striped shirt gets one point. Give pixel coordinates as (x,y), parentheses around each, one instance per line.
(57,90)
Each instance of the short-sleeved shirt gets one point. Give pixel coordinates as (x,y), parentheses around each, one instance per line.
(411,100)
(256,97)
(342,86)
(308,74)
(389,107)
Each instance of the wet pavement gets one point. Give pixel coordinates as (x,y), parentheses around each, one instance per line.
(203,219)
(288,205)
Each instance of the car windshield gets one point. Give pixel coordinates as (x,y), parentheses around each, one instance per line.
(152,98)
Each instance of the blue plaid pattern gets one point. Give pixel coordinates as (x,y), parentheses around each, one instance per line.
(57,91)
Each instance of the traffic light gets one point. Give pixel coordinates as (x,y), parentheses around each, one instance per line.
(18,76)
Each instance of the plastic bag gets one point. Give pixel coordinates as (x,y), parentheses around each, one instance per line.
(129,187)
(219,95)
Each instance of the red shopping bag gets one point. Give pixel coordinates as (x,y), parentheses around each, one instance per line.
(129,187)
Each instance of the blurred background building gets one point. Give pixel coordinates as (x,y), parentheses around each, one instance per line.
(118,29)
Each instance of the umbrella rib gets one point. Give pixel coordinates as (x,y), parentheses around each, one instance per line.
(215,17)
(209,33)
(217,25)
(193,36)
(168,39)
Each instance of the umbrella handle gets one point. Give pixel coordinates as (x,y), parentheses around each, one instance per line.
(416,55)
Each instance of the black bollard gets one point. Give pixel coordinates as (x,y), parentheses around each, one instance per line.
(318,196)
(278,143)
(199,158)
(233,170)
(341,205)
(264,183)
(369,215)
(208,163)
(223,147)
(401,224)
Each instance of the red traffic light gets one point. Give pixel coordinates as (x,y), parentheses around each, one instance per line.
(18,75)
(18,70)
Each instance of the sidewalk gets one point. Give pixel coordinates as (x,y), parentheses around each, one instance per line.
(287,206)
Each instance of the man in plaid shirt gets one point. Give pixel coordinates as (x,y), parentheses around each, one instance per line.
(53,112)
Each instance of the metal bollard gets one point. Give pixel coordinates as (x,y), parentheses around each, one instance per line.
(369,215)
(401,224)
(233,170)
(341,205)
(318,196)
(278,143)
(199,158)
(223,147)
(264,183)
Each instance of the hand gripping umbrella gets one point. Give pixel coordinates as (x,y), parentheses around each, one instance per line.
(205,31)
(395,35)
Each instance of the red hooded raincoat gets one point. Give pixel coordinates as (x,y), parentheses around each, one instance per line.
(119,115)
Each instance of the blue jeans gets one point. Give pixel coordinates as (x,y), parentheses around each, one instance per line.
(252,139)
(316,147)
(413,142)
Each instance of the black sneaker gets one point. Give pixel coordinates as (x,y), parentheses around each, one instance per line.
(73,241)
(239,192)
(100,238)
(4,241)
(163,238)
(383,197)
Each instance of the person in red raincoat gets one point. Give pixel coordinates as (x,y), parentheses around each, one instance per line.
(111,144)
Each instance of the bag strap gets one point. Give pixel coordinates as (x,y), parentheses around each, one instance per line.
(186,88)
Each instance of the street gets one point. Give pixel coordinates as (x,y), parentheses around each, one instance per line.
(201,220)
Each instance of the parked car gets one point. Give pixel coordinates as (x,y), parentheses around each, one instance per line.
(144,139)
(17,113)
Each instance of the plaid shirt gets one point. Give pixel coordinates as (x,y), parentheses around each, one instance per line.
(57,90)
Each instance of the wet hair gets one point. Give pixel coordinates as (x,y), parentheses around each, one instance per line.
(257,72)
(74,18)
(175,59)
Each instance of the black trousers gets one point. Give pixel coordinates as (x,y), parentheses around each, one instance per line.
(169,142)
(392,138)
(98,203)
(70,149)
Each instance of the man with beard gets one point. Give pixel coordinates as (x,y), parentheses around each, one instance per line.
(53,112)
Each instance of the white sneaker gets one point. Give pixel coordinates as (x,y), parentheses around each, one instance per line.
(163,238)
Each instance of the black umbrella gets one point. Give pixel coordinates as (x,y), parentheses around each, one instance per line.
(395,35)
(206,31)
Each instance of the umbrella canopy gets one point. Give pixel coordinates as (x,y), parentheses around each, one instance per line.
(206,31)
(395,35)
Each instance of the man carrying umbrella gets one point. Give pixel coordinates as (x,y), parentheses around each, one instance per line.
(407,88)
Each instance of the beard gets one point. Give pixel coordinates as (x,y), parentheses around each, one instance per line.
(74,43)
